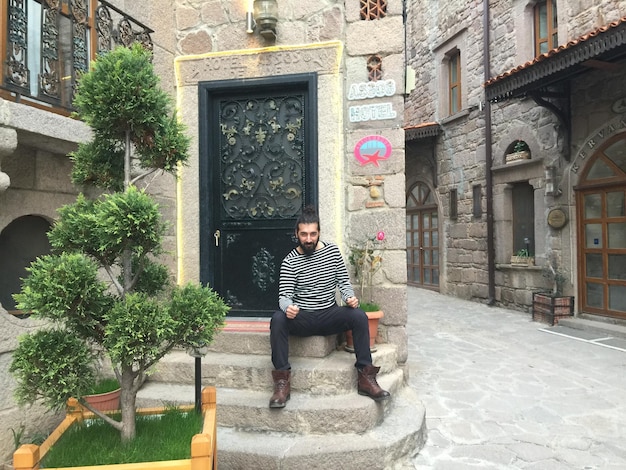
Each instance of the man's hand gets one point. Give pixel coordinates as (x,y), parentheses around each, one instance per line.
(292,311)
(352,302)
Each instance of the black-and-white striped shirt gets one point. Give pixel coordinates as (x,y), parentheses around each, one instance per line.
(311,281)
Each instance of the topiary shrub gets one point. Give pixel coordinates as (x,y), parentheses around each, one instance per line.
(102,288)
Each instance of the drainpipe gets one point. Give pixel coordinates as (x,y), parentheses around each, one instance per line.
(491,255)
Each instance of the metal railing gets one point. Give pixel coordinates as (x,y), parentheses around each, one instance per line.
(48,44)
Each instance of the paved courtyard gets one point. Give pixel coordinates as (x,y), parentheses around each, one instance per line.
(500,393)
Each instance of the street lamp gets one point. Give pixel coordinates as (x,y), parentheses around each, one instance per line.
(198,352)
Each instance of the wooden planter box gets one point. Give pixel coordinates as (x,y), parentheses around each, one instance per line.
(517,156)
(203,445)
(549,309)
(522,260)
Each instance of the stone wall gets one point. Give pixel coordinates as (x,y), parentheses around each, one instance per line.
(460,152)
(32,156)
(355,201)
(435,29)
(524,120)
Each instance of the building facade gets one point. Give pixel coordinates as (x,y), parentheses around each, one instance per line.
(515,149)
(308,110)
(471,133)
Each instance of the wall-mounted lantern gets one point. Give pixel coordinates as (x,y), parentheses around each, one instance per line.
(264,15)
(551,188)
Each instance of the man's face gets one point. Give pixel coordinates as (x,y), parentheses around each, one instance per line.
(308,236)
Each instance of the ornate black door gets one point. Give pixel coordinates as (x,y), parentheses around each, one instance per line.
(258,168)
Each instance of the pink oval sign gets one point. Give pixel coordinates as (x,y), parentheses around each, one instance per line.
(372,149)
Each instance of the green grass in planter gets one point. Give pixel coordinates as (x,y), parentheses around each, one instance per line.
(104,386)
(162,437)
(369,307)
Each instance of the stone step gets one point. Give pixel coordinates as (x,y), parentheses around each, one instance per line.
(248,410)
(325,424)
(332,374)
(389,444)
(250,340)
(616,329)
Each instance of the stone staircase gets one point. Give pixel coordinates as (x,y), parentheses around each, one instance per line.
(326,424)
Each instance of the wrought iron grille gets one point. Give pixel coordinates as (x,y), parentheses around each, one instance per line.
(374,68)
(373,9)
(48,45)
(262,157)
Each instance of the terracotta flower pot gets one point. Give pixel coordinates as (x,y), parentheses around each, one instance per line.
(105,401)
(373,318)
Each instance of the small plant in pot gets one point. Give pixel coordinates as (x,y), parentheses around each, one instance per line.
(523,258)
(552,273)
(367,259)
(520,151)
(520,146)
(550,306)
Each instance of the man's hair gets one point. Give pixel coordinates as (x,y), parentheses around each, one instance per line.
(308,216)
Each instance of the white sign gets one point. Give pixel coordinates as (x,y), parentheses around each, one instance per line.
(377,89)
(372,112)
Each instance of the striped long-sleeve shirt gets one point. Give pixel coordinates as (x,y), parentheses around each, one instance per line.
(311,281)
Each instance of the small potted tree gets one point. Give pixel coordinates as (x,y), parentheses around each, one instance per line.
(102,288)
(367,259)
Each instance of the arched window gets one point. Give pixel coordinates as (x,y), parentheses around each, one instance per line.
(21,242)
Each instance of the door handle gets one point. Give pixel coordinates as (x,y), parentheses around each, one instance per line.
(217,235)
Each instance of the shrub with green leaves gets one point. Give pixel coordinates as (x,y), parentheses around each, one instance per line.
(103,288)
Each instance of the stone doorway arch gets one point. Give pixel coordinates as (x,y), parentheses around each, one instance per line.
(21,242)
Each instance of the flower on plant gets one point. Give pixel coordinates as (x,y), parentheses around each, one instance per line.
(380,235)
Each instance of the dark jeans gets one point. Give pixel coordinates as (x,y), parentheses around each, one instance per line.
(333,320)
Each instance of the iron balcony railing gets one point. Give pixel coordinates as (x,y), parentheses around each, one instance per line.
(47,44)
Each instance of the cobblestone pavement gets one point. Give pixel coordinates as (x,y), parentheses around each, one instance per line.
(502,394)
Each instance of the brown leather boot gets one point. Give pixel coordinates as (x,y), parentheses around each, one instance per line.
(282,388)
(368,385)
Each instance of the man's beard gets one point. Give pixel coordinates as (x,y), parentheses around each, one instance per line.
(308,248)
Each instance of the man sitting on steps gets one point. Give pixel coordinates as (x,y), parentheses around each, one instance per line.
(309,277)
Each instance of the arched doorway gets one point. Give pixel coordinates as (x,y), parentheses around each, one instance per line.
(601,205)
(21,242)
(422,237)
